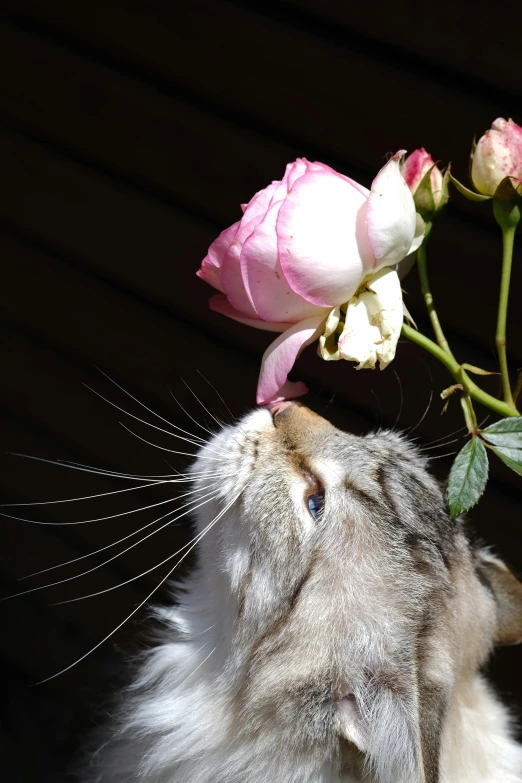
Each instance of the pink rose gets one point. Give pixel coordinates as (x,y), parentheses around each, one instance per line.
(498,155)
(431,196)
(303,246)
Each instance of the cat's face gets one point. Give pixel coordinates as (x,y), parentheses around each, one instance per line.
(353,604)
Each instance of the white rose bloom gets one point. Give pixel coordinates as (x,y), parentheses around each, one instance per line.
(373,322)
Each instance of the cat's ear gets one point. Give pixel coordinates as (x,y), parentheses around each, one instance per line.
(507,590)
(386,727)
(353,727)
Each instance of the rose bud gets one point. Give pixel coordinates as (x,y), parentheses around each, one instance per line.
(303,247)
(425,180)
(498,155)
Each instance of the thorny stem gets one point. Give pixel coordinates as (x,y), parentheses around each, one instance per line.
(422,266)
(460,375)
(508,218)
(507,214)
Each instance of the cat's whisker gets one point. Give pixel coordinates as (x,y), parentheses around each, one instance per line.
(233,419)
(441,456)
(198,666)
(85,497)
(63,463)
(401,400)
(199,442)
(164,448)
(439,445)
(114,543)
(428,406)
(191,544)
(193,505)
(97,519)
(218,422)
(196,422)
(174,426)
(78,660)
(194,636)
(462,429)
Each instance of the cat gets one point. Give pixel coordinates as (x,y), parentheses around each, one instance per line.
(333,629)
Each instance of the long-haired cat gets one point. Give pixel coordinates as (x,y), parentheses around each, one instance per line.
(333,629)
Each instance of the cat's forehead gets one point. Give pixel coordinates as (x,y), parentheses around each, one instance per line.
(300,430)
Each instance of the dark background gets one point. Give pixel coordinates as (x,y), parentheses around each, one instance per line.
(130,132)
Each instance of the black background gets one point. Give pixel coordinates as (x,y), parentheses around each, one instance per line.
(130,132)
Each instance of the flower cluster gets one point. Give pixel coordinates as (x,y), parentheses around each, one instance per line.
(318,256)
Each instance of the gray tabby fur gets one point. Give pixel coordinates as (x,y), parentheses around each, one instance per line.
(328,650)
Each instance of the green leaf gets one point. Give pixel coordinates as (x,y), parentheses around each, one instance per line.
(469,194)
(506,433)
(468,477)
(506,191)
(511,457)
(444,198)
(423,196)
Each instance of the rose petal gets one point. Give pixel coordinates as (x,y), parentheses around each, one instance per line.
(210,269)
(289,391)
(265,283)
(373,322)
(498,154)
(322,240)
(391,216)
(220,304)
(294,171)
(210,273)
(231,280)
(316,166)
(257,206)
(280,356)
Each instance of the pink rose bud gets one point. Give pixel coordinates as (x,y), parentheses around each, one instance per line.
(303,246)
(426,182)
(498,155)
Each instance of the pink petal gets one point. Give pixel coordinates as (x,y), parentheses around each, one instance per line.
(210,274)
(391,216)
(231,280)
(316,166)
(266,285)
(289,391)
(210,270)
(280,356)
(322,239)
(415,167)
(257,206)
(294,171)
(220,304)
(219,246)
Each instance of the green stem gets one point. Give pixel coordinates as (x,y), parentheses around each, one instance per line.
(422,266)
(507,214)
(469,414)
(460,375)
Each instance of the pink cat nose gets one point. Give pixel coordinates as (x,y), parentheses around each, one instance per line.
(277,407)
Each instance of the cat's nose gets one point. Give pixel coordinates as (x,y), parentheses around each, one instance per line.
(277,407)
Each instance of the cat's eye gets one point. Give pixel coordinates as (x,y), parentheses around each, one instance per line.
(315,503)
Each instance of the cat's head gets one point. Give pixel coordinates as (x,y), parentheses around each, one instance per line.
(353,606)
